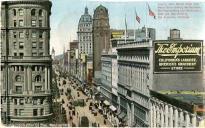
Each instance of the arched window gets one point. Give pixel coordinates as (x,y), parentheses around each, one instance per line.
(18,78)
(14,12)
(40,13)
(33,12)
(38,78)
(20,12)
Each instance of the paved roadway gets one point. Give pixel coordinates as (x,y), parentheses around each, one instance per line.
(82,111)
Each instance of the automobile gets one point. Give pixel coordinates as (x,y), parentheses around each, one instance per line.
(64,82)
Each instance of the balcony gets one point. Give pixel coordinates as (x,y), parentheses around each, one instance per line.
(39,91)
(29,58)
(139,59)
(137,44)
(17,92)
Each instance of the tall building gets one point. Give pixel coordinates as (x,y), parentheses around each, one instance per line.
(144,66)
(85,33)
(25,61)
(101,37)
(72,65)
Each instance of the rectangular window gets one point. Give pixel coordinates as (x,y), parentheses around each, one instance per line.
(41,54)
(21,55)
(38,88)
(19,89)
(40,45)
(42,111)
(21,35)
(21,101)
(21,45)
(20,12)
(15,112)
(14,34)
(14,23)
(34,54)
(40,34)
(20,23)
(15,101)
(35,112)
(33,35)
(34,45)
(40,23)
(41,101)
(15,54)
(15,45)
(33,23)
(35,102)
(20,112)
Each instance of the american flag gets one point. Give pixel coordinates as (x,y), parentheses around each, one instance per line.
(151,13)
(137,18)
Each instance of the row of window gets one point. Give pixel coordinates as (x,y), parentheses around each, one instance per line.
(33,54)
(20,45)
(19,78)
(19,112)
(33,23)
(19,90)
(33,34)
(85,29)
(23,101)
(85,38)
(21,12)
(21,68)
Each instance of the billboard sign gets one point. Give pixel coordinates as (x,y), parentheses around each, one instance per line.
(117,34)
(178,55)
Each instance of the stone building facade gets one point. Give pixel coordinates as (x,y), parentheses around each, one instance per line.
(85,44)
(72,65)
(106,77)
(85,33)
(25,61)
(101,37)
(133,82)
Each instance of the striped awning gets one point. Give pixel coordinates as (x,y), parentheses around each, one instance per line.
(113,108)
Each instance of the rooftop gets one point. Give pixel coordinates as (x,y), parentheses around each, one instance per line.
(191,97)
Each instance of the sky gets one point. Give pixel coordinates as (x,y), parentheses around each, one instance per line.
(66,14)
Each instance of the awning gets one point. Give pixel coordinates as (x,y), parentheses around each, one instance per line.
(99,107)
(122,115)
(101,98)
(113,108)
(106,103)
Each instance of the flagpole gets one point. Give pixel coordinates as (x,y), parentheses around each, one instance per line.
(125,30)
(146,22)
(134,24)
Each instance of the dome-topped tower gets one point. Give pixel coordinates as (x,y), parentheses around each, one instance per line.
(85,33)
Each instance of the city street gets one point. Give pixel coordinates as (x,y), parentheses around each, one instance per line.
(79,111)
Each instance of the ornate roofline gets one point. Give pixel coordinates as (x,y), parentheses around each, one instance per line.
(27,2)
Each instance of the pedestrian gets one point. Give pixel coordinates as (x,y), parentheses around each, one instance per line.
(77,114)
(104,122)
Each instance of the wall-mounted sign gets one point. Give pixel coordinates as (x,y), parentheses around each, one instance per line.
(117,34)
(178,55)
